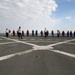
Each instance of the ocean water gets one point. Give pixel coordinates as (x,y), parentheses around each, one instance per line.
(2,34)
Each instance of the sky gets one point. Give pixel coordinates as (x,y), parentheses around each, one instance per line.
(37,15)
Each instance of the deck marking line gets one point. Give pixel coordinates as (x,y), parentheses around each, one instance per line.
(36,47)
(70,43)
(64,53)
(15,54)
(61,42)
(20,41)
(31,50)
(7,43)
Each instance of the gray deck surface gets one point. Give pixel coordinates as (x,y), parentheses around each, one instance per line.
(37,56)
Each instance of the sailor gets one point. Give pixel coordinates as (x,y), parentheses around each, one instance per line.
(45,32)
(67,33)
(58,33)
(22,33)
(19,33)
(52,33)
(13,32)
(7,32)
(32,32)
(70,33)
(63,33)
(36,33)
(27,32)
(74,33)
(41,33)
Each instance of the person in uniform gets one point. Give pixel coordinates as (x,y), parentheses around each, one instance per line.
(52,33)
(74,33)
(19,33)
(7,32)
(36,33)
(41,33)
(45,32)
(27,32)
(63,33)
(67,33)
(58,33)
(13,32)
(22,33)
(70,33)
(32,32)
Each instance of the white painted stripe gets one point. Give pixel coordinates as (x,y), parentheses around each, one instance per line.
(36,47)
(64,53)
(71,43)
(61,42)
(20,41)
(6,57)
(43,48)
(15,54)
(7,43)
(31,50)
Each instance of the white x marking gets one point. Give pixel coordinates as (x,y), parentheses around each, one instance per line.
(37,47)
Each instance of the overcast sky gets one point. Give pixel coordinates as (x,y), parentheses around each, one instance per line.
(37,14)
